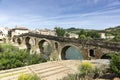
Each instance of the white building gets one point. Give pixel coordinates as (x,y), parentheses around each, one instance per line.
(46,32)
(72,35)
(18,30)
(3,32)
(104,36)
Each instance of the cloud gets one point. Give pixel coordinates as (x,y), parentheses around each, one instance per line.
(64,13)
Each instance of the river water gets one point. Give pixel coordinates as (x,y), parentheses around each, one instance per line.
(73,54)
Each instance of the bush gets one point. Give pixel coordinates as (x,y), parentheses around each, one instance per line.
(28,77)
(86,69)
(96,72)
(13,58)
(115,64)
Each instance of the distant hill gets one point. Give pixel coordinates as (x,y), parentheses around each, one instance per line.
(76,30)
(112,30)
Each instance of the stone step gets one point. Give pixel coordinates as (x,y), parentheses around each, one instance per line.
(57,75)
(43,64)
(57,71)
(44,67)
(49,69)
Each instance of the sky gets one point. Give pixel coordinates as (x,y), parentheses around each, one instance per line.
(40,14)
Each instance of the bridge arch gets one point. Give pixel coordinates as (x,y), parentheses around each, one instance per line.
(71,52)
(106,56)
(45,47)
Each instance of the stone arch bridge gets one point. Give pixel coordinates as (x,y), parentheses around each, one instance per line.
(58,46)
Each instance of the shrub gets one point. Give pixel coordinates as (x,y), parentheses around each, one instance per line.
(86,69)
(28,77)
(13,58)
(115,64)
(96,72)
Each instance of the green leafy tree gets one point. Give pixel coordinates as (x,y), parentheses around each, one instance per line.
(59,31)
(93,34)
(115,64)
(83,36)
(10,57)
(117,38)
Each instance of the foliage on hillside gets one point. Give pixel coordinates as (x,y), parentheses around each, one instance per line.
(90,34)
(11,57)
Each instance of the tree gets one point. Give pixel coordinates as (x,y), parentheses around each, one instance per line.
(59,31)
(82,36)
(117,38)
(93,34)
(115,64)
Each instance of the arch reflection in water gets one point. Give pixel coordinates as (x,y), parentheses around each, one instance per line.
(71,53)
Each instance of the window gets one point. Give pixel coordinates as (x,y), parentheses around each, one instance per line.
(91,53)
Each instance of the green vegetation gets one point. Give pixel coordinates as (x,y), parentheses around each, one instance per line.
(117,38)
(28,77)
(84,33)
(88,34)
(115,64)
(87,72)
(85,69)
(115,31)
(91,34)
(11,57)
(60,31)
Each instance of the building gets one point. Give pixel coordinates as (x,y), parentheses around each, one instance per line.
(102,35)
(46,32)
(71,35)
(3,33)
(105,36)
(18,31)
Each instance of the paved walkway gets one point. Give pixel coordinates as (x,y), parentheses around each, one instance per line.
(52,70)
(47,71)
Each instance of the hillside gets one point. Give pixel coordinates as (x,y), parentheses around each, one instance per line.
(113,30)
(77,30)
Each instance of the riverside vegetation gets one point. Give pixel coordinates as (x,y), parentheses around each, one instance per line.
(88,72)
(12,57)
